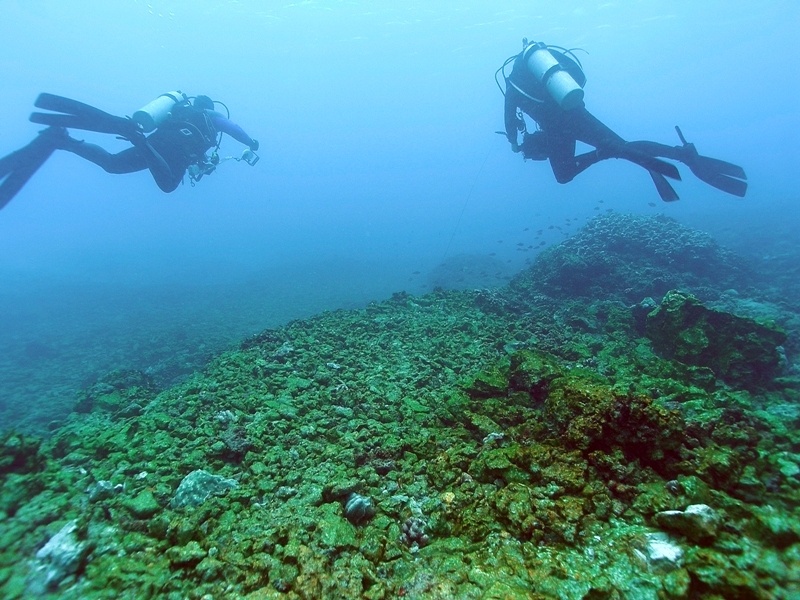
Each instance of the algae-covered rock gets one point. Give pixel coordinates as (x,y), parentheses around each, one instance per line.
(117,391)
(19,453)
(198,486)
(698,522)
(738,350)
(490,383)
(336,532)
(592,416)
(185,556)
(532,371)
(142,506)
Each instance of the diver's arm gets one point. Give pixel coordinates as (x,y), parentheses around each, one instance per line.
(225,125)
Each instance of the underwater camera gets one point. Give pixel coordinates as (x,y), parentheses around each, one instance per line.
(250,157)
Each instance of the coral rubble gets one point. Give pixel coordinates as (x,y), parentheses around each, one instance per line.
(557,438)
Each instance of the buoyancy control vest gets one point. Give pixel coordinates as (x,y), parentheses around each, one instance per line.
(191,129)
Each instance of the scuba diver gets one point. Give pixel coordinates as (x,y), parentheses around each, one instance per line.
(183,130)
(546,83)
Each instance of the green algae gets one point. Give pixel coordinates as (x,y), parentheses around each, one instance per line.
(536,445)
(739,350)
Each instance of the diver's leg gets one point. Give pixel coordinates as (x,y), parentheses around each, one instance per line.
(662,150)
(561,153)
(581,125)
(587,128)
(141,156)
(127,161)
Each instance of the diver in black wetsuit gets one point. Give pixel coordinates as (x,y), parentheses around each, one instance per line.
(546,83)
(184,132)
(181,141)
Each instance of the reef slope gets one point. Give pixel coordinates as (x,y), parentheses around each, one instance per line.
(542,440)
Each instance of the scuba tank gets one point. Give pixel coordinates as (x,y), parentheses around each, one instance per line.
(152,114)
(558,82)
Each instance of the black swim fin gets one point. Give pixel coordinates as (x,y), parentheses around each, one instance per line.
(651,163)
(722,175)
(665,190)
(18,167)
(78,115)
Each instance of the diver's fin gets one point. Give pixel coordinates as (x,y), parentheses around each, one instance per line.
(18,167)
(651,163)
(68,106)
(116,125)
(731,185)
(719,166)
(665,190)
(718,173)
(108,124)
(659,166)
(78,115)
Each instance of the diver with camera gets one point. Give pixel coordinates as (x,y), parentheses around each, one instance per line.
(171,137)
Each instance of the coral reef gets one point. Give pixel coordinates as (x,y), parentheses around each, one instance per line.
(631,257)
(524,442)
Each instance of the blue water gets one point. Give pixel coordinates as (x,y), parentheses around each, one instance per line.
(380,162)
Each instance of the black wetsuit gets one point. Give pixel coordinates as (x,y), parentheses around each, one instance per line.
(560,129)
(182,140)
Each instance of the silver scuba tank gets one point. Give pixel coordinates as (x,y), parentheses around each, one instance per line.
(152,114)
(561,86)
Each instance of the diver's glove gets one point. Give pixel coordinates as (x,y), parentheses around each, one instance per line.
(254,144)
(134,133)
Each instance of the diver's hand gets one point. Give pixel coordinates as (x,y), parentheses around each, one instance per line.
(515,147)
(254,144)
(134,134)
(137,138)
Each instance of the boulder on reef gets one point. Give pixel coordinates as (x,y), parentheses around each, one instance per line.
(740,351)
